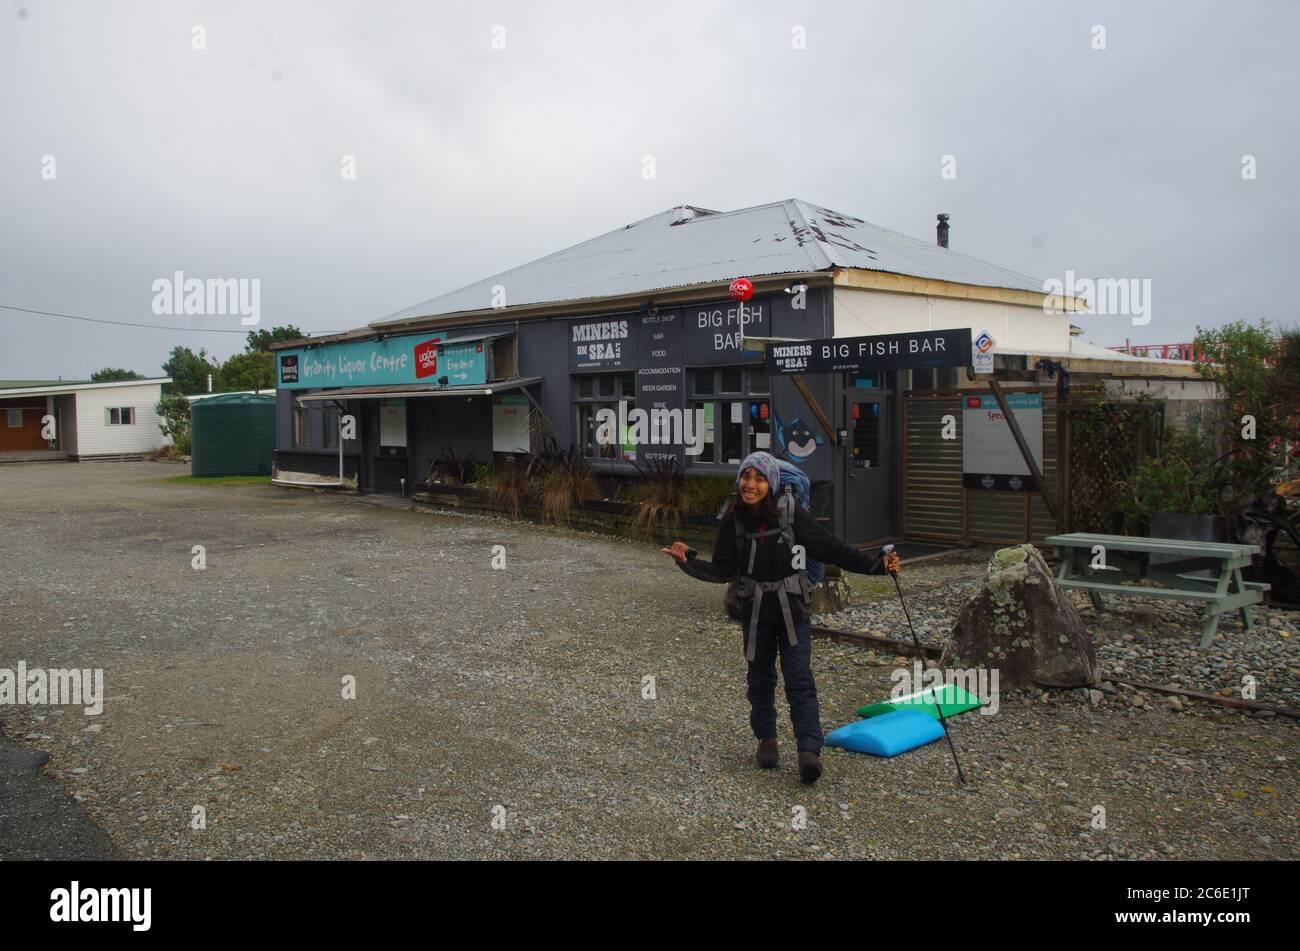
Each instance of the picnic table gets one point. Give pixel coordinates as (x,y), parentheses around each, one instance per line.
(1127,558)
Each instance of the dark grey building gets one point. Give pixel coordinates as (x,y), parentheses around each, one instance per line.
(642,317)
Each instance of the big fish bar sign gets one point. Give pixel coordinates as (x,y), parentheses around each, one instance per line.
(408,359)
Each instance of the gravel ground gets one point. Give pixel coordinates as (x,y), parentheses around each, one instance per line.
(517,695)
(1152,640)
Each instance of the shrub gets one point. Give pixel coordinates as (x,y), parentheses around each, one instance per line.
(705,494)
(1257,370)
(165,454)
(1188,478)
(661,498)
(558,479)
(509,489)
(175,412)
(453,468)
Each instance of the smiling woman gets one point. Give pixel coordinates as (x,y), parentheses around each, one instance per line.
(764,544)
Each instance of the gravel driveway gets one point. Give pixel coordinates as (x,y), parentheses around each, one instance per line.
(500,713)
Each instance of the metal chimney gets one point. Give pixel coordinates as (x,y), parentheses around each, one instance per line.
(942,231)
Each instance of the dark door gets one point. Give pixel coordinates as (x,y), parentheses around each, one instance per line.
(868,476)
(369,444)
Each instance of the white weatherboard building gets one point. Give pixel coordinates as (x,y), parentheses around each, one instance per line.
(89,420)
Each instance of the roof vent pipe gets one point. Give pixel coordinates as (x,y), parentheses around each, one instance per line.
(942,230)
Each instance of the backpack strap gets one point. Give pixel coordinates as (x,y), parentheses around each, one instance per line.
(785,507)
(754,591)
(747,588)
(740,542)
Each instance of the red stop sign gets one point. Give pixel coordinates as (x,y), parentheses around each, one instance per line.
(741,289)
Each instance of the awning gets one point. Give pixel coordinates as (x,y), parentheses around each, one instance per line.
(759,344)
(475,338)
(415,390)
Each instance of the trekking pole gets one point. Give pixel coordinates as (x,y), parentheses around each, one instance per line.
(916,641)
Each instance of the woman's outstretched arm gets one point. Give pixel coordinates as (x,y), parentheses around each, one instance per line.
(826,548)
(723,567)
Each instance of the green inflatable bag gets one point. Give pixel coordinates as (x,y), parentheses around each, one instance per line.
(952,698)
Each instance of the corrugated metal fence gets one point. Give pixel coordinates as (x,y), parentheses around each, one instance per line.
(936,506)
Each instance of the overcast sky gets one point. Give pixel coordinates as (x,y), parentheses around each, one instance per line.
(227,161)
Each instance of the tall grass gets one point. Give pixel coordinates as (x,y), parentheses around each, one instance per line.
(454,468)
(705,494)
(662,499)
(508,491)
(558,479)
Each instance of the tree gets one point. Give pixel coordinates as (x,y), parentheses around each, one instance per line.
(175,411)
(189,371)
(248,371)
(113,375)
(1286,390)
(259,341)
(1254,368)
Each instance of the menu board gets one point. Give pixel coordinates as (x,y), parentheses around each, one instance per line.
(661,385)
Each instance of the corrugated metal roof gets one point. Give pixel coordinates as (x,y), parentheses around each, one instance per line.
(1091,351)
(63,388)
(685,246)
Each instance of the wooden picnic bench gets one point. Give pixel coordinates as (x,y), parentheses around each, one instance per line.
(1127,558)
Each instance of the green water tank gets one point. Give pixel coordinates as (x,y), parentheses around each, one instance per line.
(234,434)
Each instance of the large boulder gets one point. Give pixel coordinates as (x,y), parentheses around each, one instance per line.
(1021,623)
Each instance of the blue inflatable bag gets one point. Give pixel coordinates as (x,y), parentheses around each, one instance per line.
(888,734)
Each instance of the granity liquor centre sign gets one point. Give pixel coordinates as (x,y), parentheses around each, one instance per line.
(414,358)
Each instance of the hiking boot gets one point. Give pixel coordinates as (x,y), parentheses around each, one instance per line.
(810,766)
(768,757)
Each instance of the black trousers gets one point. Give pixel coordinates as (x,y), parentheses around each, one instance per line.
(796,668)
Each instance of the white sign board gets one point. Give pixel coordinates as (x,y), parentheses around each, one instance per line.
(392,423)
(990,457)
(510,423)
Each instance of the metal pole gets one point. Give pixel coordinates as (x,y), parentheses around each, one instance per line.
(802,387)
(1023,446)
(916,642)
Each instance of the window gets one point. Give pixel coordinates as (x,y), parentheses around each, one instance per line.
(301,426)
(331,415)
(597,391)
(15,419)
(866,434)
(120,415)
(737,411)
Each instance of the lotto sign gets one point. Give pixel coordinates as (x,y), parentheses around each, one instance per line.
(741,289)
(982,353)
